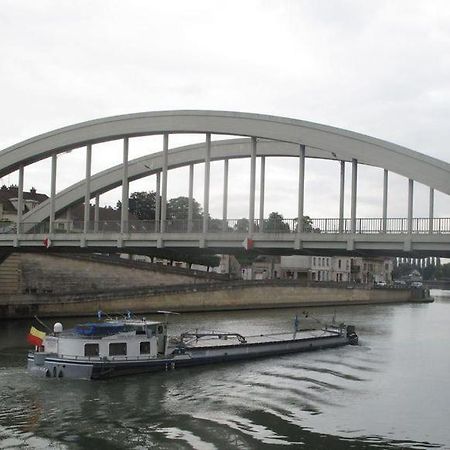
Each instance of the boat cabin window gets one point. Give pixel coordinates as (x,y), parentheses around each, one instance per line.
(91,350)
(117,349)
(145,348)
(160,329)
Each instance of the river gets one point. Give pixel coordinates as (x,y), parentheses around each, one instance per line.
(391,391)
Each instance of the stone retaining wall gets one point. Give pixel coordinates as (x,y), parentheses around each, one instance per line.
(34,273)
(252,297)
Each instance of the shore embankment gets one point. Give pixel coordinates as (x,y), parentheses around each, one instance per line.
(204,297)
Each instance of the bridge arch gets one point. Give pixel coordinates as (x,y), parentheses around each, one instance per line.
(265,136)
(346,145)
(151,164)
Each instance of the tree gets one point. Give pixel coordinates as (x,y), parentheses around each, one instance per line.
(141,204)
(215,224)
(275,223)
(241,225)
(178,208)
(307,225)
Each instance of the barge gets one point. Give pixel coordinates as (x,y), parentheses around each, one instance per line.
(99,350)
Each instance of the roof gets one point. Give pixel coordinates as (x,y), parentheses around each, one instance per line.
(11,192)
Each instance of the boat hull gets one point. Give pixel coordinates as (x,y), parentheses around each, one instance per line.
(54,367)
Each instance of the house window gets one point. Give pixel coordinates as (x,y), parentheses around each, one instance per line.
(118,349)
(91,350)
(144,348)
(339,263)
(314,260)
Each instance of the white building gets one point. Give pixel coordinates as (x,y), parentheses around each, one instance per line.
(340,269)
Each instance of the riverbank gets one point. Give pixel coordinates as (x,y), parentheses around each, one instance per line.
(213,297)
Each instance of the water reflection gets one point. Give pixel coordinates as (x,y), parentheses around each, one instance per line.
(389,392)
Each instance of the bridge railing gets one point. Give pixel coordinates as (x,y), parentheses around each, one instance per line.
(278,226)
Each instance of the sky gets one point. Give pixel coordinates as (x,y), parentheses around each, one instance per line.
(381,68)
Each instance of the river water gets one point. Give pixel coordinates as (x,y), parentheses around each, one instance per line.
(392,391)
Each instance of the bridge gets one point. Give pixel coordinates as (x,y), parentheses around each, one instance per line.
(257,136)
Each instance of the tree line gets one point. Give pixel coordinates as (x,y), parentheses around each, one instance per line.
(143,206)
(430,272)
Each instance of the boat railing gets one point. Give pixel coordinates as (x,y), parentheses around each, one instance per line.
(106,358)
(218,335)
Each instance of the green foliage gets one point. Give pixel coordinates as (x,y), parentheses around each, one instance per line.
(178,208)
(241,225)
(431,272)
(204,259)
(246,258)
(142,205)
(307,225)
(403,270)
(275,223)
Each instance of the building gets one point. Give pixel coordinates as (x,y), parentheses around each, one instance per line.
(295,267)
(339,269)
(9,202)
(372,270)
(71,219)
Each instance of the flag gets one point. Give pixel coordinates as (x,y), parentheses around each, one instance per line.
(35,337)
(248,243)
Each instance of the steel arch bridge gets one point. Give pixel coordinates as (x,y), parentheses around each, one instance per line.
(261,136)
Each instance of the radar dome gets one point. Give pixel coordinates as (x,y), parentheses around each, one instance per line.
(57,328)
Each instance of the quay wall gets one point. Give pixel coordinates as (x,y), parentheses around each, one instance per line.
(211,299)
(38,273)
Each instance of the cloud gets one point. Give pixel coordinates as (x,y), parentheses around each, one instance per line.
(381,68)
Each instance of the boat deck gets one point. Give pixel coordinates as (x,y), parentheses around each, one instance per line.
(258,339)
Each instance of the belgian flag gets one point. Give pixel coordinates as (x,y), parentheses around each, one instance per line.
(35,337)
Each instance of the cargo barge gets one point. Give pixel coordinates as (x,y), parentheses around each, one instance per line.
(99,350)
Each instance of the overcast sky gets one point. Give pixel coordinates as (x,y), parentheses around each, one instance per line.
(377,67)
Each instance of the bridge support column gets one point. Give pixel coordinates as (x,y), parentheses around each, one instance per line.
(251,209)
(206,183)
(125,189)
(410,204)
(341,198)
(354,194)
(225,196)
(97,213)
(20,201)
(301,188)
(191,197)
(261,193)
(164,182)
(385,200)
(52,195)
(87,196)
(431,211)
(158,202)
